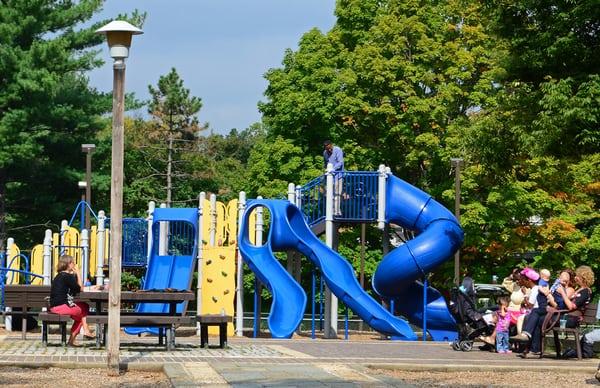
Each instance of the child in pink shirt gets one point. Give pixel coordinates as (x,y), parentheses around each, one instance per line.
(502,326)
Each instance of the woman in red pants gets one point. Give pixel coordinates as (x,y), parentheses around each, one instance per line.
(65,285)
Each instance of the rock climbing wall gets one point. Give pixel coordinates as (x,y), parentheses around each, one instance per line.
(219,260)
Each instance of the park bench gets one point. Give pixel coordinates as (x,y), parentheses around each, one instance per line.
(30,300)
(550,324)
(213,320)
(165,323)
(48,318)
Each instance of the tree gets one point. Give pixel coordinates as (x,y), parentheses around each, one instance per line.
(530,188)
(175,122)
(47,108)
(388,83)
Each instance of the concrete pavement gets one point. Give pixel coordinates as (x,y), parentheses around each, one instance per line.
(267,362)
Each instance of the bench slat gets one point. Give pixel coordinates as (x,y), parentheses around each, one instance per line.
(213,318)
(143,320)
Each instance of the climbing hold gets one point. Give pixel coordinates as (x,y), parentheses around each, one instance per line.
(208,261)
(225,292)
(223,273)
(209,280)
(222,257)
(215,299)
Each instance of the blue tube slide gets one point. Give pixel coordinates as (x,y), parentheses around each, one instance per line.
(289,231)
(168,271)
(439,237)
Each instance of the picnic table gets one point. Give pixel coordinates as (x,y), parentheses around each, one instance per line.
(164,321)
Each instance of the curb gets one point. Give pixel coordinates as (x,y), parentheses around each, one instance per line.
(483,368)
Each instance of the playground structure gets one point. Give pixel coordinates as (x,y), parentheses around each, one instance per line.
(177,241)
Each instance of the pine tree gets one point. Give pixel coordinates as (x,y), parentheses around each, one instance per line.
(175,122)
(47,108)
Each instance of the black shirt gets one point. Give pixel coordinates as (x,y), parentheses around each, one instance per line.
(64,283)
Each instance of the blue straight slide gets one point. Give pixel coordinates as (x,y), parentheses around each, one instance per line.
(171,270)
(290,231)
(439,237)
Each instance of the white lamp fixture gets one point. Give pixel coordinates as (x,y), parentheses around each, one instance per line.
(118,34)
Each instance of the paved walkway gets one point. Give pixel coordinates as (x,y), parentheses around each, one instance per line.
(266,362)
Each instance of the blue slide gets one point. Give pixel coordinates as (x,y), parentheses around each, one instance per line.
(290,231)
(439,236)
(171,270)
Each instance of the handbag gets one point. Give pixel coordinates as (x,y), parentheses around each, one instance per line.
(70,300)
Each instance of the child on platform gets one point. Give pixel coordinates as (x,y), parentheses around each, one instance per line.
(502,326)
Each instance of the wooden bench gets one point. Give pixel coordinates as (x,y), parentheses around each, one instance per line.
(27,297)
(213,320)
(165,324)
(589,318)
(48,318)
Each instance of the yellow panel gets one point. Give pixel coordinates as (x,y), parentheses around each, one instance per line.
(218,283)
(55,251)
(71,242)
(221,234)
(37,263)
(232,215)
(14,262)
(106,246)
(252,226)
(93,249)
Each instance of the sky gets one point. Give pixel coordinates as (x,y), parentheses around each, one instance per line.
(220,48)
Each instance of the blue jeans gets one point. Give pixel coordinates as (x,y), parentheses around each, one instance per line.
(501,341)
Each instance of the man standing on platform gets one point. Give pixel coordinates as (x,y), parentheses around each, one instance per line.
(334,155)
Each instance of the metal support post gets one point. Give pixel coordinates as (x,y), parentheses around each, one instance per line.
(201,199)
(239,303)
(331,301)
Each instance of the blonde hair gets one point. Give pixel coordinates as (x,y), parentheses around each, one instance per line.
(586,274)
(546,273)
(63,263)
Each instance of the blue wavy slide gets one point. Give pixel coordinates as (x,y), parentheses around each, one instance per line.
(290,231)
(396,277)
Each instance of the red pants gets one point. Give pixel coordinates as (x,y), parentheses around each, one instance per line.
(77,313)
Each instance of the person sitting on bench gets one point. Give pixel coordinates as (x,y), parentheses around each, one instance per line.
(65,285)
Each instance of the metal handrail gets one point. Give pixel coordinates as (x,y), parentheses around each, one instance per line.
(358,198)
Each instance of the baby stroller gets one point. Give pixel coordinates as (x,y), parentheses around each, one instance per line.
(470,322)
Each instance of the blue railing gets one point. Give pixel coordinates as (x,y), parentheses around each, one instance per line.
(312,200)
(135,246)
(358,198)
(182,238)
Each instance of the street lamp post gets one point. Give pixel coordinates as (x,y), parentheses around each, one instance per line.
(457,163)
(88,149)
(118,34)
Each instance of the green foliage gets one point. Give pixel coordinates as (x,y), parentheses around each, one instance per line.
(47,110)
(530,192)
(130,282)
(273,164)
(393,75)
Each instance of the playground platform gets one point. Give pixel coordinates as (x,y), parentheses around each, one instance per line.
(266,362)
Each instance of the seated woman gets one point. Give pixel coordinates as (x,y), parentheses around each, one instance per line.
(564,286)
(576,303)
(65,285)
(537,302)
